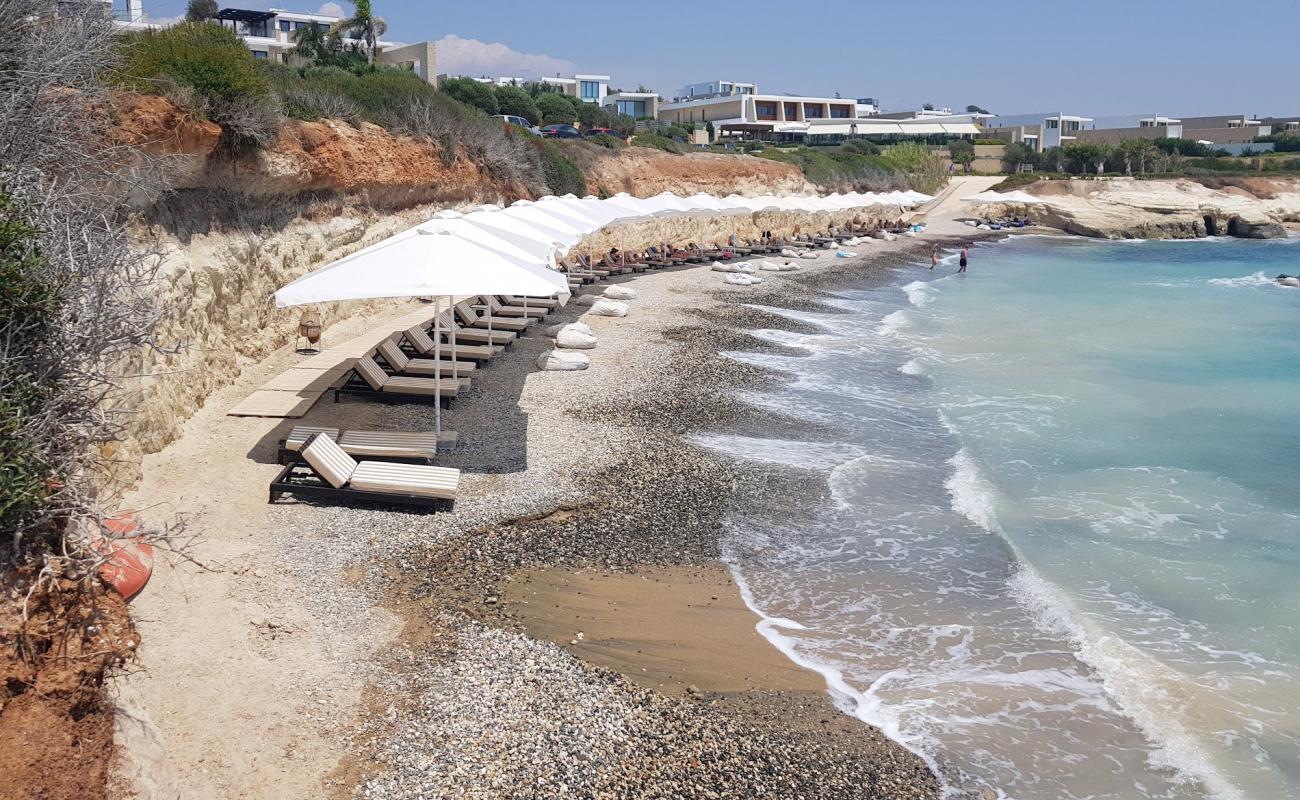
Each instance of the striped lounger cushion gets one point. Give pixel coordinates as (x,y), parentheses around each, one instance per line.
(329,460)
(436,482)
(301,433)
(393,444)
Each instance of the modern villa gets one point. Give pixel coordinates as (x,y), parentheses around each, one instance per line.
(637,105)
(1039,131)
(739,110)
(270,34)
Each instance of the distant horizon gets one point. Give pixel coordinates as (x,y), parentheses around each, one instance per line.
(1070,59)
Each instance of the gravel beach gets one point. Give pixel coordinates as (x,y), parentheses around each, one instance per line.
(390,647)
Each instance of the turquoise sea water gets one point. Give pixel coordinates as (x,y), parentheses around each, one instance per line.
(1063,558)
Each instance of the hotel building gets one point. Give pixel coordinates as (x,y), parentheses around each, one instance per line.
(739,110)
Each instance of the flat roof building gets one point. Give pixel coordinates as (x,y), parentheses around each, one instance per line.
(637,105)
(796,117)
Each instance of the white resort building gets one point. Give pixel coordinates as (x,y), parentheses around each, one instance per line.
(738,110)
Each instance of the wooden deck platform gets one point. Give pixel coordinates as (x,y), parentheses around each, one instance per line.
(293,392)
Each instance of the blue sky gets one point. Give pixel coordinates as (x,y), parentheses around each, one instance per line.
(1095,58)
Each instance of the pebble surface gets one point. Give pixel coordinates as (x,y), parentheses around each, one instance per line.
(589,470)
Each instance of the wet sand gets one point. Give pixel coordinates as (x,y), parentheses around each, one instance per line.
(672,629)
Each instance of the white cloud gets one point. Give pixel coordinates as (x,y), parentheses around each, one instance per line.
(472,57)
(332,10)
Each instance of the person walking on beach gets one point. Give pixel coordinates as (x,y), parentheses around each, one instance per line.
(934,256)
(964,255)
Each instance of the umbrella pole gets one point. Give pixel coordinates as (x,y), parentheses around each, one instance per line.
(437,373)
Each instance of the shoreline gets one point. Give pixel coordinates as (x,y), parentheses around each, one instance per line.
(385,609)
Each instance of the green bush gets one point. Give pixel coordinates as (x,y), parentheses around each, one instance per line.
(658,142)
(1219,165)
(605,140)
(210,59)
(30,296)
(562,175)
(516,102)
(471,93)
(862,146)
(556,109)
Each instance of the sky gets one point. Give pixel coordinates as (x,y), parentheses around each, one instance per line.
(1095,58)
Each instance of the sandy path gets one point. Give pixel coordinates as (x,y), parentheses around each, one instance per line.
(239,690)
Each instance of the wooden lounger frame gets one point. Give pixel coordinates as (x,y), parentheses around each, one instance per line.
(301,480)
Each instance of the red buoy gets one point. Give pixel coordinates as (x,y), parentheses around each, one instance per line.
(128,558)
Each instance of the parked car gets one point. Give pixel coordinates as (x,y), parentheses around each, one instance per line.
(605,132)
(560,132)
(511,119)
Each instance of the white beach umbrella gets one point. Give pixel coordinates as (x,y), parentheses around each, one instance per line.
(421,262)
(426,261)
(571,208)
(517,239)
(628,207)
(565,232)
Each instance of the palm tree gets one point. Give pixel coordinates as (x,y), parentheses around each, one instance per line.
(364,26)
(310,43)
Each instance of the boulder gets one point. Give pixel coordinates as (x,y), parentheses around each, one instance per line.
(619,293)
(1255,229)
(562,361)
(573,338)
(608,308)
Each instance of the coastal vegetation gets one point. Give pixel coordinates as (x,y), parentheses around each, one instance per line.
(206,70)
(1154,158)
(76,309)
(860,165)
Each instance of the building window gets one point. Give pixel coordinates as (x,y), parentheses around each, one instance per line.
(792,111)
(1052,124)
(284,25)
(840,112)
(590,90)
(765,110)
(632,108)
(812,112)
(259,54)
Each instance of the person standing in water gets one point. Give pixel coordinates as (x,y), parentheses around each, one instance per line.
(934,256)
(964,255)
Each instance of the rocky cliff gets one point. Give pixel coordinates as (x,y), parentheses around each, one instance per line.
(233,231)
(1127,208)
(642,171)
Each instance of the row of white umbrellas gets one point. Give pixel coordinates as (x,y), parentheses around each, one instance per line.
(494,250)
(513,251)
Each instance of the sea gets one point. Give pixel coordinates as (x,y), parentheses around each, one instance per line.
(1060,556)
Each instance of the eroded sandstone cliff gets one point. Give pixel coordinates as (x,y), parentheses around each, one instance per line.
(1127,208)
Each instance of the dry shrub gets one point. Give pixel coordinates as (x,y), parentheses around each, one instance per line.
(81,307)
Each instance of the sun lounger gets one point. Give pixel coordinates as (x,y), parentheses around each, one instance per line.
(369,380)
(391,354)
(468,316)
(399,446)
(328,472)
(531,302)
(421,343)
(447,323)
(500,309)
